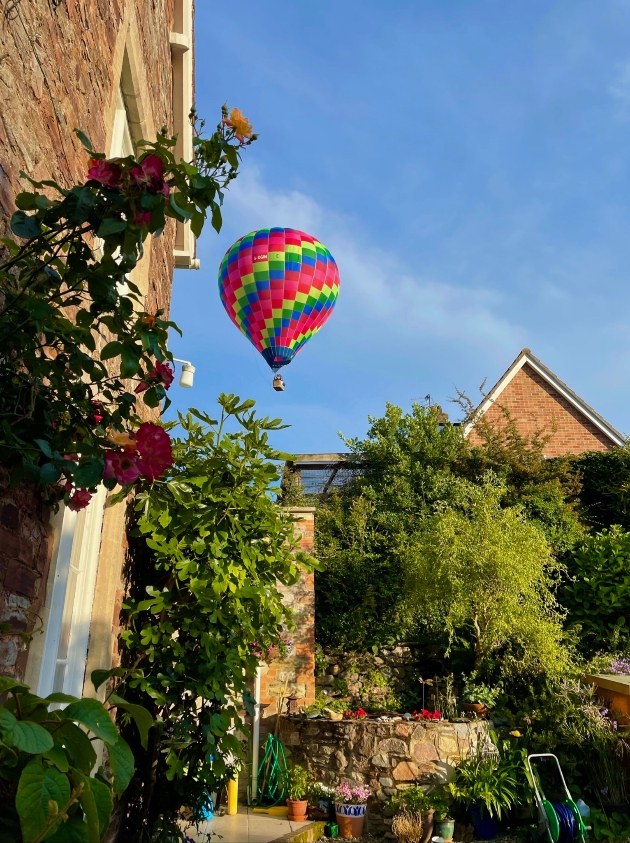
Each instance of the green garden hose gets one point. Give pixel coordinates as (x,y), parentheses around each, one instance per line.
(272,774)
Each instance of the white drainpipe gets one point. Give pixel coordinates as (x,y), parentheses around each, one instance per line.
(256,735)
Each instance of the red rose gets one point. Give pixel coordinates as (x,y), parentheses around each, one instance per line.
(79,500)
(162,373)
(150,174)
(154,446)
(141,218)
(107,172)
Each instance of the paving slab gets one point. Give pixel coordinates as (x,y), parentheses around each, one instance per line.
(244,827)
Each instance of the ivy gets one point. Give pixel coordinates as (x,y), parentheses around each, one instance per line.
(76,347)
(208,549)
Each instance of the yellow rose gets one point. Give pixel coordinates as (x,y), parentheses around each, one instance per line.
(241,125)
(122,439)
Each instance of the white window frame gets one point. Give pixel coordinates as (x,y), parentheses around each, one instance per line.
(79,549)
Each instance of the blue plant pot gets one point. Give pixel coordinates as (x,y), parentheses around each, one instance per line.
(484,825)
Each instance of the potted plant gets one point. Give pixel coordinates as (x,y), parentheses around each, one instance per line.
(407,827)
(321,802)
(350,808)
(443,822)
(299,781)
(415,802)
(479,698)
(486,787)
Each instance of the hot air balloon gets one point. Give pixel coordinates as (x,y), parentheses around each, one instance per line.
(278,286)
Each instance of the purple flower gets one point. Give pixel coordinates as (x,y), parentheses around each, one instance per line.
(621,667)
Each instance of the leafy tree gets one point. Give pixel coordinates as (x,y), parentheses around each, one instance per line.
(605,495)
(207,553)
(546,488)
(492,573)
(597,593)
(403,470)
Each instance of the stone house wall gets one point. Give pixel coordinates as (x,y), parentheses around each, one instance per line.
(60,68)
(385,756)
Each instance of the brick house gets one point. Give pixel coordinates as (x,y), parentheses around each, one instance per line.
(118,71)
(537,400)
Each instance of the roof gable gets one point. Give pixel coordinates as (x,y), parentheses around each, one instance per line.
(526,358)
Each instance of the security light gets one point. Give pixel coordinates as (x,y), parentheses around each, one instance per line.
(188,373)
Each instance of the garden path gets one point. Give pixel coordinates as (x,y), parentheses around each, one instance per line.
(244,827)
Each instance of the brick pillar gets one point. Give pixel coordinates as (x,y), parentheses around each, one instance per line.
(297,669)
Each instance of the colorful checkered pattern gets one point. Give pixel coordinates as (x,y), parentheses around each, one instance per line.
(278,286)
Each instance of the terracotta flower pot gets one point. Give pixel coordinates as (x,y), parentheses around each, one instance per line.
(297,809)
(350,819)
(427,826)
(478,708)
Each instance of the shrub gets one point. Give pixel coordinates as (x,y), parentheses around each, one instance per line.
(597,593)
(47,784)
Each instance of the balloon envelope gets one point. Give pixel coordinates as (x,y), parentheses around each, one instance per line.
(278,286)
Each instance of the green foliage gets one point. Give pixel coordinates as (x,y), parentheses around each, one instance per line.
(72,343)
(597,591)
(321,665)
(46,761)
(300,781)
(486,780)
(480,694)
(491,571)
(547,489)
(611,825)
(207,553)
(605,494)
(404,470)
(417,800)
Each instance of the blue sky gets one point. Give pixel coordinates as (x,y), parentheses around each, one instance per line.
(467,164)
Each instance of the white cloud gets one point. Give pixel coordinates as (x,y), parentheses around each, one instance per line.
(376,281)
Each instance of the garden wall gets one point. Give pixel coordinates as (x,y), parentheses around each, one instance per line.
(386,756)
(388,679)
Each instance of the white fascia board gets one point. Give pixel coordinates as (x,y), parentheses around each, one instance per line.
(558,386)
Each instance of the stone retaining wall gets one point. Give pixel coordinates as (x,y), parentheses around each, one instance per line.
(385,756)
(388,679)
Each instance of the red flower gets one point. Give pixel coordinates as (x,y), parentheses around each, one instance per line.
(123,465)
(162,373)
(107,172)
(97,415)
(150,174)
(141,218)
(79,500)
(154,445)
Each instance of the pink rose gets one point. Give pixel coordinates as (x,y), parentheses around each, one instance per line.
(123,465)
(154,446)
(150,174)
(79,500)
(107,172)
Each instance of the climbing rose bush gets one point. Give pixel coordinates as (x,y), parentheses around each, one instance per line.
(78,354)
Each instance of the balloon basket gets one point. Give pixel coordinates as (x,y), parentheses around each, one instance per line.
(278,383)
